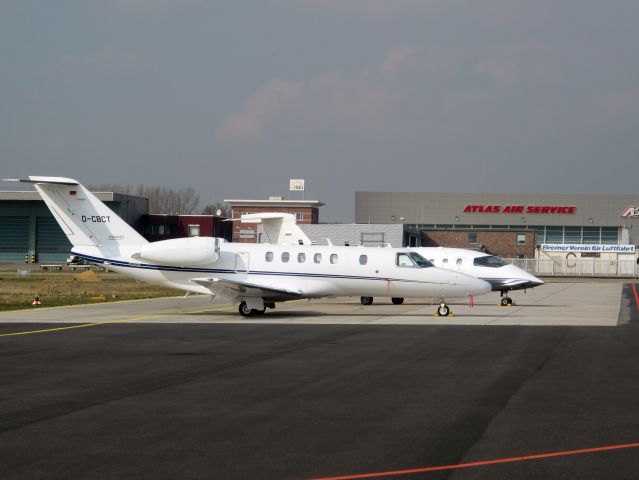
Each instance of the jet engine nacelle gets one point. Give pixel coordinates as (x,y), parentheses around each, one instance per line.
(181,251)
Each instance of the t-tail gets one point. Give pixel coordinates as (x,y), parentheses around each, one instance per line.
(93,229)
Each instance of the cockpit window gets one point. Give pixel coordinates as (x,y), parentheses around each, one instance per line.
(412,259)
(489,261)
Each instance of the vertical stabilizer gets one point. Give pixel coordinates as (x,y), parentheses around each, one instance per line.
(85,220)
(280,228)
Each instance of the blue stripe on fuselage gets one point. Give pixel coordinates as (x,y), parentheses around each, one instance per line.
(167,268)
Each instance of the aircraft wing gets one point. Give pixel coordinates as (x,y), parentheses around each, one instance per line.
(238,288)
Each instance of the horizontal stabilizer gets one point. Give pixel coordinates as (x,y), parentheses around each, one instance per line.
(50,180)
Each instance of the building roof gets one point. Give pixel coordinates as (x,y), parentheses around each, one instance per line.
(31,195)
(274,203)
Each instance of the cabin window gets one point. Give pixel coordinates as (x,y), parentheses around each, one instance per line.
(269,256)
(363,259)
(317,258)
(333,258)
(285,257)
(459,262)
(445,261)
(301,257)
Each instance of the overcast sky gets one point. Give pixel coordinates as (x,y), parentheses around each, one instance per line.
(234,98)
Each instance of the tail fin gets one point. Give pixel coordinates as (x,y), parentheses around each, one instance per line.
(84,219)
(280,228)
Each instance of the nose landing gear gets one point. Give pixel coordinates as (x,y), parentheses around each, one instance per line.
(443,311)
(506,301)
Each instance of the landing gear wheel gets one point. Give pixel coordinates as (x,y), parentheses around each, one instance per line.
(443,310)
(258,312)
(397,300)
(366,300)
(506,301)
(245,311)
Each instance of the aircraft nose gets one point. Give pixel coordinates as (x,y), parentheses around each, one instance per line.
(534,281)
(475,286)
(480,287)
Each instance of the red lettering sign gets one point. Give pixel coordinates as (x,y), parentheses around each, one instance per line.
(520,209)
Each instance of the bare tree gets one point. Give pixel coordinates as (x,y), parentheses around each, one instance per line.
(161,199)
(212,208)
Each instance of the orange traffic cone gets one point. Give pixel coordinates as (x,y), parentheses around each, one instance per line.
(37,301)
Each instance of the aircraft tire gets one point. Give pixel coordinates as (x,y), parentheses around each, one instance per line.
(505,301)
(443,310)
(366,300)
(245,311)
(397,300)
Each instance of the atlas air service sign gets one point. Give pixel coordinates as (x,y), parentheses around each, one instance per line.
(522,209)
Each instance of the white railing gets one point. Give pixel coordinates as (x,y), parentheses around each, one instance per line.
(578,267)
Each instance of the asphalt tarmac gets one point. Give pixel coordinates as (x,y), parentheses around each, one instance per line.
(144,392)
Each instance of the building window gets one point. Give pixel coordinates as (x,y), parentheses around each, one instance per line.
(317,258)
(194,230)
(520,256)
(285,257)
(269,256)
(610,235)
(472,238)
(333,258)
(301,257)
(247,233)
(299,216)
(521,239)
(363,259)
(554,235)
(572,234)
(592,235)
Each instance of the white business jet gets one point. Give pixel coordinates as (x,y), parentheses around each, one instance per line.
(255,275)
(503,276)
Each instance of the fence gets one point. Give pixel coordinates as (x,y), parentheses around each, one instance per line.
(578,267)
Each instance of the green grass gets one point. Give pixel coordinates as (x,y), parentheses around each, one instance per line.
(56,288)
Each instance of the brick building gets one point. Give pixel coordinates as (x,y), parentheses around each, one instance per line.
(507,244)
(163,227)
(305,211)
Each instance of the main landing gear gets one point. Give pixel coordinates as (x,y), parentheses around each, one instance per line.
(369,300)
(366,300)
(506,301)
(246,311)
(246,308)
